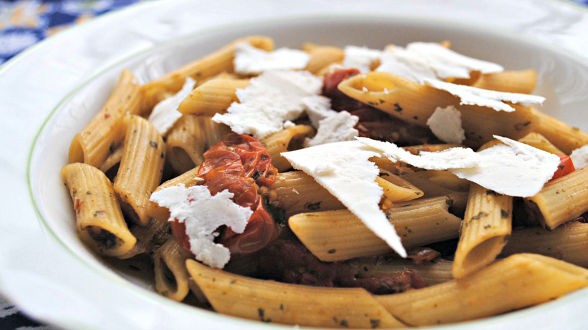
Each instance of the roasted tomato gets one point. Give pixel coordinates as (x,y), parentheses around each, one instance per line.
(239,164)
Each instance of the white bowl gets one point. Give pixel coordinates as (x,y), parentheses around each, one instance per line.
(53,276)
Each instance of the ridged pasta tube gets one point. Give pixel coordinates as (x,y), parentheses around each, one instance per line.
(105,132)
(199,70)
(485,230)
(141,168)
(340,235)
(270,301)
(518,281)
(169,266)
(100,222)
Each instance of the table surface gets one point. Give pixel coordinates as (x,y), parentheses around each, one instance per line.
(26,22)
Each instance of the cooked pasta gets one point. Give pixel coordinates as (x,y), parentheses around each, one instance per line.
(242,211)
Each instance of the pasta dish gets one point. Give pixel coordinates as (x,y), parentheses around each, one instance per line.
(337,187)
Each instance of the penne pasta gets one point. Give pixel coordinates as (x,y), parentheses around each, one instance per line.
(288,139)
(297,192)
(105,132)
(340,235)
(415,103)
(562,199)
(201,69)
(522,81)
(171,276)
(270,301)
(567,242)
(518,281)
(485,230)
(100,222)
(322,56)
(213,96)
(562,135)
(190,137)
(141,168)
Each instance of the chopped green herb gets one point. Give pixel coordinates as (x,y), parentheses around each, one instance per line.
(479,215)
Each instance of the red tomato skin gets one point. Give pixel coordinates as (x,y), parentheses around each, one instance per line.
(239,164)
(565,167)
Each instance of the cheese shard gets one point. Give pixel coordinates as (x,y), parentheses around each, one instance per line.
(445,123)
(202,214)
(447,63)
(344,169)
(484,97)
(513,168)
(268,101)
(401,62)
(317,108)
(338,126)
(251,60)
(580,157)
(360,58)
(452,158)
(429,60)
(165,113)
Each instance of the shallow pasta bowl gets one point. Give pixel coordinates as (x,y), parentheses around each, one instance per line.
(51,91)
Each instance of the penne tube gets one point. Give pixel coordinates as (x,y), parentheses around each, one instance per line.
(288,139)
(322,56)
(297,192)
(485,230)
(521,81)
(199,70)
(441,183)
(415,103)
(396,189)
(518,281)
(141,168)
(568,242)
(190,137)
(540,142)
(171,276)
(340,235)
(396,95)
(431,272)
(562,199)
(275,302)
(105,132)
(100,223)
(213,96)
(562,135)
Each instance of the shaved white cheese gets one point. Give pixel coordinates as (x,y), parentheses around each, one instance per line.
(251,60)
(335,127)
(513,168)
(402,63)
(446,63)
(429,60)
(344,170)
(445,123)
(360,58)
(317,108)
(165,113)
(441,160)
(484,97)
(270,100)
(202,214)
(580,157)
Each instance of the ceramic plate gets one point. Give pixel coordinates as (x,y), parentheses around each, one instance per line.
(51,91)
